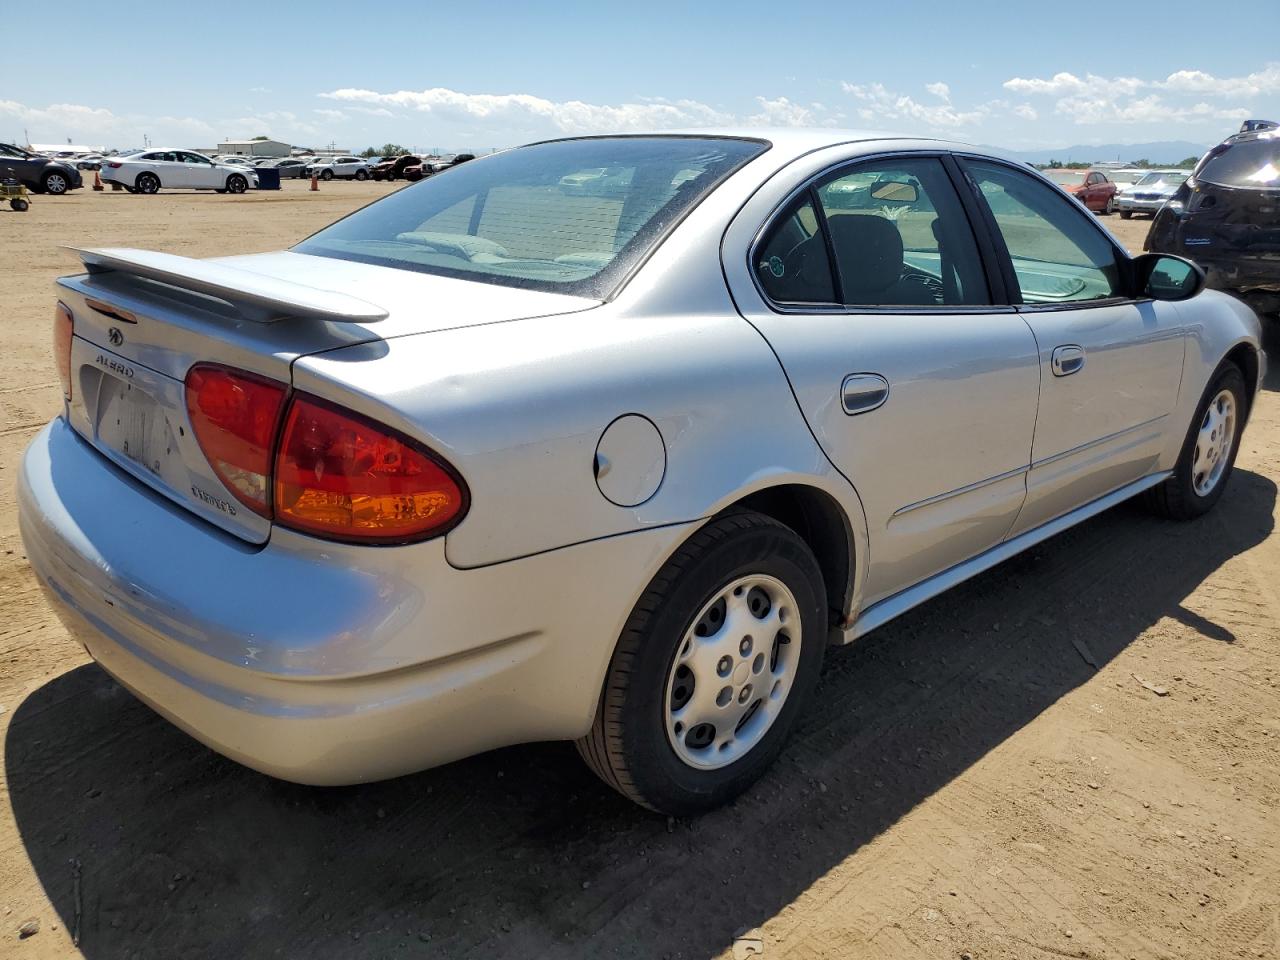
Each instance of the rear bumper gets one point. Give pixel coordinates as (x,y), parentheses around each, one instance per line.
(317,662)
(1140,206)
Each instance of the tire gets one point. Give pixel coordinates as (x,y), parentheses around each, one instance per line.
(637,743)
(361,175)
(147,183)
(1111,206)
(326,174)
(237,184)
(55,184)
(1204,465)
(19,204)
(1126,214)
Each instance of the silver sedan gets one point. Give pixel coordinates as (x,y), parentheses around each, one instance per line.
(493,461)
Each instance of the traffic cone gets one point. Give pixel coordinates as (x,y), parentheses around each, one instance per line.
(315,182)
(97,180)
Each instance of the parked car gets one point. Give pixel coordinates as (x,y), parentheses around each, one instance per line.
(343,168)
(490,463)
(1090,187)
(90,162)
(1226,216)
(290,168)
(597,182)
(419,170)
(1150,193)
(1124,178)
(177,170)
(39,174)
(393,168)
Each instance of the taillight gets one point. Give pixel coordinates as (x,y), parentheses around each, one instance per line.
(341,476)
(114,165)
(63,328)
(234,415)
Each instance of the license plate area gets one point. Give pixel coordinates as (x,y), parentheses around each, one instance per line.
(137,418)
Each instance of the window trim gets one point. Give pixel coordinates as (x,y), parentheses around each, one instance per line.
(810,185)
(1005,259)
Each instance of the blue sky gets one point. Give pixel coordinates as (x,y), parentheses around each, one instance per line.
(492,74)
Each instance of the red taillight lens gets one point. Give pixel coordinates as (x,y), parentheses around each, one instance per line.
(234,415)
(63,328)
(341,476)
(114,165)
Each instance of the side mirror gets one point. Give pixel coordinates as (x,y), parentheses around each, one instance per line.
(1161,276)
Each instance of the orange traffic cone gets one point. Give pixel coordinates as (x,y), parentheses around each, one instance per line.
(97,180)
(315,182)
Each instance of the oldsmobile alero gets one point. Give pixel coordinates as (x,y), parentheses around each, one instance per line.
(493,461)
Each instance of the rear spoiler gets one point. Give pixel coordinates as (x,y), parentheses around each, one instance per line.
(256,296)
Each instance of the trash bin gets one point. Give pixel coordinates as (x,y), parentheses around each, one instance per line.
(268,178)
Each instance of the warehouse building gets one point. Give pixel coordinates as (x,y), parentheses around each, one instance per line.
(254,148)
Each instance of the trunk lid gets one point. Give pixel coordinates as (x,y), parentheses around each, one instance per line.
(143,320)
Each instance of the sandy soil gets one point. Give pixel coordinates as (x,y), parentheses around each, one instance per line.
(983,778)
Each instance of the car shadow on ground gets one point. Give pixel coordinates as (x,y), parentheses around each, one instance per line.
(150,845)
(1271,344)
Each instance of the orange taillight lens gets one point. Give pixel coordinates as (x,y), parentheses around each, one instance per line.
(341,476)
(63,328)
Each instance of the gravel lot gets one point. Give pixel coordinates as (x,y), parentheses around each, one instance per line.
(986,777)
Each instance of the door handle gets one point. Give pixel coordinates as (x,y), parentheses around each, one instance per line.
(1067,359)
(863,392)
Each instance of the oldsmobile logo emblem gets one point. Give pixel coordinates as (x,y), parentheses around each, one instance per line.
(115,336)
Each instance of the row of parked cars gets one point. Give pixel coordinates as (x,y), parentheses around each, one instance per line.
(407,166)
(1125,191)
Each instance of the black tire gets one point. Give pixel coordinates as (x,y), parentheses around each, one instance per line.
(19,204)
(1111,206)
(1126,214)
(361,175)
(55,184)
(237,183)
(1177,497)
(147,183)
(326,174)
(628,745)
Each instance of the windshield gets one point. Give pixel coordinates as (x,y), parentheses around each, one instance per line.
(571,216)
(1172,179)
(1248,163)
(1066,178)
(1125,176)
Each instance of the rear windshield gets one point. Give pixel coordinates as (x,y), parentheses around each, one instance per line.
(572,216)
(1067,178)
(1249,163)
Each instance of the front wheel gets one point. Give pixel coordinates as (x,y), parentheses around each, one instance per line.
(1209,452)
(55,184)
(237,184)
(361,175)
(326,175)
(19,204)
(715,663)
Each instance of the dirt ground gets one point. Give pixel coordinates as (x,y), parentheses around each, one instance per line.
(985,777)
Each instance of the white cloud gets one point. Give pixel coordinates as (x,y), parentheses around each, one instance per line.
(523,111)
(881,104)
(1025,111)
(1260,83)
(784,113)
(939,90)
(1068,83)
(60,121)
(329,114)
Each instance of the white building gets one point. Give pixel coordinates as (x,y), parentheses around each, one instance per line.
(255,148)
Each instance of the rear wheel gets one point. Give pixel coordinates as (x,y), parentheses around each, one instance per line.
(147,183)
(19,204)
(237,184)
(715,663)
(1209,451)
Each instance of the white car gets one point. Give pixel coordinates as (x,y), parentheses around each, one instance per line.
(1150,193)
(177,170)
(345,168)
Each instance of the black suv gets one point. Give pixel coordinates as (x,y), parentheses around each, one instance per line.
(40,174)
(1226,216)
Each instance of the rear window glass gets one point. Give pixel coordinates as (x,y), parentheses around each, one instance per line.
(572,216)
(1251,163)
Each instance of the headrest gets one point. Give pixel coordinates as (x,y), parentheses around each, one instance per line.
(869,251)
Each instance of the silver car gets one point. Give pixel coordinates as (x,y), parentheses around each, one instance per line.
(487,462)
(1150,193)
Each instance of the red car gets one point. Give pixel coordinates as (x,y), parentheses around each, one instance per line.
(1090,187)
(394,168)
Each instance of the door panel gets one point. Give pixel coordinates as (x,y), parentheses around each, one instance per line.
(930,414)
(1110,368)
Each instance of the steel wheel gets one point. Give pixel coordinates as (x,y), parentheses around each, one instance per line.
(732,674)
(1213,443)
(55,184)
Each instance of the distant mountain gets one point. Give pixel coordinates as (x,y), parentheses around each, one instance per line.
(1160,151)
